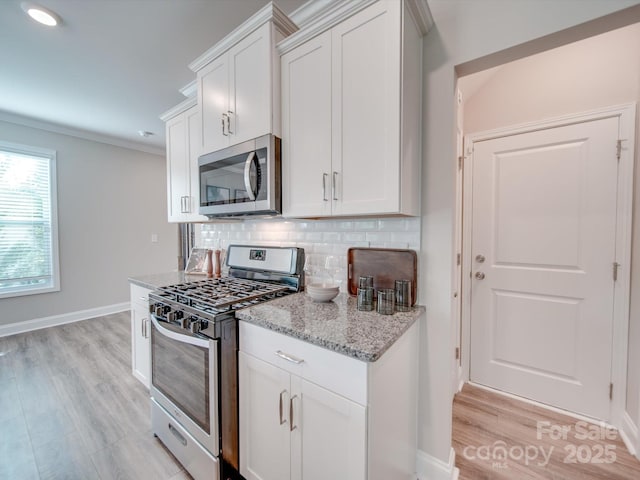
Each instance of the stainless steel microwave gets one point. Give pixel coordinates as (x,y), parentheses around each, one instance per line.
(243,179)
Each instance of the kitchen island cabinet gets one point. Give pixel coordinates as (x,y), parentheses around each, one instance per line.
(352,114)
(339,404)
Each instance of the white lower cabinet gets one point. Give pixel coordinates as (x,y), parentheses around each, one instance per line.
(293,429)
(140,334)
(308,413)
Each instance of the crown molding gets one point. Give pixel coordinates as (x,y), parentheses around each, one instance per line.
(421,15)
(269,13)
(178,109)
(317,20)
(318,16)
(190,89)
(79,133)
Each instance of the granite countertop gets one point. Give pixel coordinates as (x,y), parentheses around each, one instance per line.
(335,325)
(157,280)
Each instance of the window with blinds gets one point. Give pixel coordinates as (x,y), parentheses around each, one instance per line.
(28,223)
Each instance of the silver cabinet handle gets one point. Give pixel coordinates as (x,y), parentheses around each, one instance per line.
(480,275)
(251,160)
(229,122)
(289,358)
(224,115)
(292,427)
(187,204)
(281,408)
(333,185)
(324,187)
(144,320)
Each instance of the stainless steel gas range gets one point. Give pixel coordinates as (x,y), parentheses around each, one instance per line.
(194,355)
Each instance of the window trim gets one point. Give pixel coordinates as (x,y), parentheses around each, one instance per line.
(53,185)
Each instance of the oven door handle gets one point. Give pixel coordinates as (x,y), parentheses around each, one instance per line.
(199,342)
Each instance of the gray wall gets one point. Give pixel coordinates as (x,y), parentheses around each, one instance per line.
(464,32)
(110,201)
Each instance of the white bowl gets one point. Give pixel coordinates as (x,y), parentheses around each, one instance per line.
(321,292)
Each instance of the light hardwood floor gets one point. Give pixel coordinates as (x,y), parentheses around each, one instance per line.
(488,426)
(70,407)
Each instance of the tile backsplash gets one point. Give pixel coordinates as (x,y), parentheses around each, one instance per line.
(325,241)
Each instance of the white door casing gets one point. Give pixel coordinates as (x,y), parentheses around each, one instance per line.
(542,318)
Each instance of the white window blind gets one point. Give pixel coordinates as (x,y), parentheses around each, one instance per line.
(28,223)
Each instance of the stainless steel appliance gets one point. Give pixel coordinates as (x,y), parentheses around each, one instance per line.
(194,355)
(244,179)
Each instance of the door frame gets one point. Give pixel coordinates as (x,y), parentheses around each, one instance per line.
(627,115)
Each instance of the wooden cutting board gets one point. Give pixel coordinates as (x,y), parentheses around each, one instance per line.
(385,265)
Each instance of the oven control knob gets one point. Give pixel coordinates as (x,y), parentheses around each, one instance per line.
(159,310)
(184,322)
(195,325)
(174,315)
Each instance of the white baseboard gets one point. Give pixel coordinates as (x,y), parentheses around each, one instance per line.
(431,468)
(629,433)
(38,323)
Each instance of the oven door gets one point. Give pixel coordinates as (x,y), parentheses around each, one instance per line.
(184,380)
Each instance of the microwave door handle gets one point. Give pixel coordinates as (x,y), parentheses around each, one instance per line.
(198,342)
(247,175)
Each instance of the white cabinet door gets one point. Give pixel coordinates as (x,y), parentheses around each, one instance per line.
(306,129)
(235,93)
(330,435)
(213,99)
(265,441)
(183,149)
(192,203)
(250,83)
(140,335)
(177,168)
(366,111)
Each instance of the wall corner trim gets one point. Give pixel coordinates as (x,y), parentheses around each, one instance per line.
(432,468)
(54,320)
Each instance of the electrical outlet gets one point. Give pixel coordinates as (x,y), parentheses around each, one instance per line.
(154,238)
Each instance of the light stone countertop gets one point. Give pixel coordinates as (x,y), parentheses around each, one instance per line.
(157,280)
(336,325)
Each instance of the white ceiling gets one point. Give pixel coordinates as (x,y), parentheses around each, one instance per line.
(113,66)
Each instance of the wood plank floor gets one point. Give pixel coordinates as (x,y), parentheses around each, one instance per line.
(71,409)
(496,437)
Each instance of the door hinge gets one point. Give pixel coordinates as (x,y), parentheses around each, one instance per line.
(458,259)
(460,162)
(618,149)
(611,391)
(457,353)
(616,265)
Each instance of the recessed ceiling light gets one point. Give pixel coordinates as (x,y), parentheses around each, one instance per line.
(41,14)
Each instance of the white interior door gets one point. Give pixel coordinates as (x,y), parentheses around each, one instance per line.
(543,248)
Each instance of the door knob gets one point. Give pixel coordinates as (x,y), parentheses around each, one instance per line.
(480,258)
(480,275)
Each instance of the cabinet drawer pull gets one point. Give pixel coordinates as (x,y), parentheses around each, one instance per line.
(289,358)
(292,427)
(281,408)
(333,185)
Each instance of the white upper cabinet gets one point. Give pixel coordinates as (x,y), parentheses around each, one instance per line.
(239,82)
(183,149)
(306,132)
(351,102)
